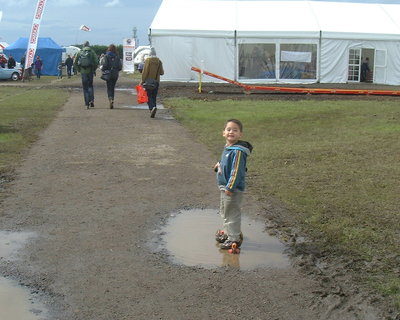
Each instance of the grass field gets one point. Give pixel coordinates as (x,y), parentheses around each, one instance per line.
(333,164)
(24,113)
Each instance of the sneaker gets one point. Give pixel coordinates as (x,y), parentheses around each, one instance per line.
(221,236)
(87,106)
(153,112)
(228,244)
(91,104)
(111,104)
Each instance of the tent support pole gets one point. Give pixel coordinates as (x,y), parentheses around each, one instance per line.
(236,76)
(319,57)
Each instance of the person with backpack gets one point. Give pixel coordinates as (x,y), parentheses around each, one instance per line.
(86,63)
(111,64)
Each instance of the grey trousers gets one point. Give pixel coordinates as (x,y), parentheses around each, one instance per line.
(230,212)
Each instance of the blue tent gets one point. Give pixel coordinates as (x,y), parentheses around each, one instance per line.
(48,51)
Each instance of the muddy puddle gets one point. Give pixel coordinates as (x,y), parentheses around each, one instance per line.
(15,301)
(188,237)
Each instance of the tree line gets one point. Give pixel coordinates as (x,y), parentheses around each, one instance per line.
(99,49)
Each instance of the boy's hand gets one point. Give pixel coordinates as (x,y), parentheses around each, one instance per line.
(228,193)
(217,168)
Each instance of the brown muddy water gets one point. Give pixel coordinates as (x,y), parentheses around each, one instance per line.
(189,238)
(16,303)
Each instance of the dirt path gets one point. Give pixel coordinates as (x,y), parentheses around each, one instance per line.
(96,187)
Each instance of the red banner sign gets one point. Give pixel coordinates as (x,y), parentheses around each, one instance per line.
(34,36)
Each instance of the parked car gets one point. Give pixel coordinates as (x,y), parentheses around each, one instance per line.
(13,74)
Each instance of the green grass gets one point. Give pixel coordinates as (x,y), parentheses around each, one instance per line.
(24,113)
(333,164)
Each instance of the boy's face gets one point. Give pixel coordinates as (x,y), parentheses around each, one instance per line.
(231,133)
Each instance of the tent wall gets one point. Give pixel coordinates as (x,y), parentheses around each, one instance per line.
(335,59)
(213,35)
(180,53)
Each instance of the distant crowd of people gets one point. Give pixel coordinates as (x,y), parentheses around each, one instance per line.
(86,62)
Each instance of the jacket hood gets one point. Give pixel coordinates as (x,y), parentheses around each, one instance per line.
(243,146)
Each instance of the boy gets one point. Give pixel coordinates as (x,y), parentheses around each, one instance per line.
(231,173)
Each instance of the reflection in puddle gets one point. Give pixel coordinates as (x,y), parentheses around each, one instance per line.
(15,301)
(189,238)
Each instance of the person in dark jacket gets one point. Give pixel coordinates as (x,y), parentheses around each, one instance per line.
(69,62)
(153,69)
(11,62)
(86,62)
(38,64)
(111,63)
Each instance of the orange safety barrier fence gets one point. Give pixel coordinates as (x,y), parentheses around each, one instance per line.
(301,90)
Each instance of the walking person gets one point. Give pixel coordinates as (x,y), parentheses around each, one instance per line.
(60,69)
(22,64)
(69,63)
(111,64)
(38,65)
(231,174)
(86,63)
(152,71)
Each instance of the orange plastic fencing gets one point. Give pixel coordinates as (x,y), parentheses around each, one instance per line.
(301,90)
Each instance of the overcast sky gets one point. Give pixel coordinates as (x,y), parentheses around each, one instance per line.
(110,20)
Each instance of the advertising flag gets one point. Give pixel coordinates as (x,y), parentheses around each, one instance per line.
(85,28)
(128,51)
(34,36)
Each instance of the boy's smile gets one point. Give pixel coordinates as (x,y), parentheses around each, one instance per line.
(232,133)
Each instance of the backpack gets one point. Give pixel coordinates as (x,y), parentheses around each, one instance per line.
(85,58)
(114,63)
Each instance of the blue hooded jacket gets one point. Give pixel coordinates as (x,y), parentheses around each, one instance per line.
(232,172)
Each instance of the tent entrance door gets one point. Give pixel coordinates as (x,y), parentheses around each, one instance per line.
(357,57)
(367,71)
(354,65)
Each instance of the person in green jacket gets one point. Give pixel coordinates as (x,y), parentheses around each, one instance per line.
(86,62)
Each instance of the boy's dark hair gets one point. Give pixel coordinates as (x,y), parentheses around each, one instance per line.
(237,122)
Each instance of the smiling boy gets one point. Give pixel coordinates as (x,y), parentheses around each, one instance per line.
(231,174)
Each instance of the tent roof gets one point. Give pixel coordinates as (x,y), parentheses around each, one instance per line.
(273,19)
(22,43)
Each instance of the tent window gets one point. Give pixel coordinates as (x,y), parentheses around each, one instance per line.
(298,61)
(257,61)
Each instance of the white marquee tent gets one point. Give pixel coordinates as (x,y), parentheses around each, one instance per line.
(278,41)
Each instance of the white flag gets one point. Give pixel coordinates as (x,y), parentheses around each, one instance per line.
(34,36)
(84,28)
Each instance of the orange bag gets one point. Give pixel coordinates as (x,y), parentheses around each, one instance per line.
(141,94)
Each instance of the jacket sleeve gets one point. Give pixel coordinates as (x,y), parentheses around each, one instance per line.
(95,60)
(161,68)
(145,72)
(76,66)
(237,170)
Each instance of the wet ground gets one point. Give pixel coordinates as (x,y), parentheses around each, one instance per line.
(189,239)
(107,191)
(17,302)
